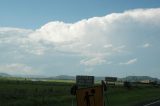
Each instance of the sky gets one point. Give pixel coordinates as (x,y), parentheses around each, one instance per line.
(85,37)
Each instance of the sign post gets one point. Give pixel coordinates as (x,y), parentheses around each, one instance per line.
(86,93)
(85,81)
(90,96)
(110,79)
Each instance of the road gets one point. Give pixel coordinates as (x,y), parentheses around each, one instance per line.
(151,103)
(156,103)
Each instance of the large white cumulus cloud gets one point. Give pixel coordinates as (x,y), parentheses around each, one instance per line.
(97,27)
(99,37)
(94,41)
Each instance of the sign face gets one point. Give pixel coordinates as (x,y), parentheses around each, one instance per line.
(90,96)
(85,81)
(111,79)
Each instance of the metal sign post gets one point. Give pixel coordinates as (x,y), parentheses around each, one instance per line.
(86,93)
(110,79)
(92,96)
(84,81)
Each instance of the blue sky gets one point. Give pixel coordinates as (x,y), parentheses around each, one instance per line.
(35,13)
(91,37)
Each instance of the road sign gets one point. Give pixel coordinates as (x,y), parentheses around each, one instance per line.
(90,96)
(110,79)
(85,81)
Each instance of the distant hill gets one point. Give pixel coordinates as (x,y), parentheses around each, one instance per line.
(65,77)
(4,75)
(138,78)
(128,78)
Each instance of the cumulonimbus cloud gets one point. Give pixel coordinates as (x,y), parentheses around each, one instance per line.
(99,37)
(95,39)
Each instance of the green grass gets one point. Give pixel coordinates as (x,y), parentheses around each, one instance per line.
(57,93)
(28,93)
(120,96)
(63,81)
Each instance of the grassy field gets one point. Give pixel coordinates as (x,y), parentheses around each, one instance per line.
(120,96)
(57,93)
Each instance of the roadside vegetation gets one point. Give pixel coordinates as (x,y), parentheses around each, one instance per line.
(24,92)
